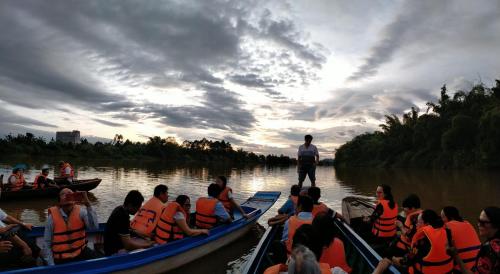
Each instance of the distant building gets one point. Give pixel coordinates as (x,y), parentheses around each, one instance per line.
(72,137)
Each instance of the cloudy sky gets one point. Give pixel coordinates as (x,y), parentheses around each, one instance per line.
(259,74)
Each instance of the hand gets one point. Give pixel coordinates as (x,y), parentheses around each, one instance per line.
(399,224)
(27,226)
(246,216)
(397,261)
(5,246)
(366,219)
(205,231)
(7,228)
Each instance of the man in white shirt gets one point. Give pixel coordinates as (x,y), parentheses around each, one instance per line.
(308,158)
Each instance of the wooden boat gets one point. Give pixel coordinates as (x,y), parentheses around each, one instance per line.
(77,185)
(162,258)
(360,256)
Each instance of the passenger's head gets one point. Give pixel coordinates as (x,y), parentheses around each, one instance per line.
(214,190)
(303,261)
(304,204)
(308,139)
(185,202)
(64,203)
(45,170)
(315,193)
(133,201)
(450,213)
(489,222)
(324,228)
(429,217)
(161,192)
(221,181)
(384,192)
(61,163)
(295,190)
(16,170)
(411,203)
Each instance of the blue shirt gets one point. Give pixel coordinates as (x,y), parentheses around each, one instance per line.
(87,214)
(287,208)
(303,216)
(220,211)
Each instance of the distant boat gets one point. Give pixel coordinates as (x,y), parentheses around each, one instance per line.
(77,185)
(162,258)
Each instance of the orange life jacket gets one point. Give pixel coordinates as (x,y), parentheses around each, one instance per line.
(167,229)
(68,239)
(36,184)
(437,261)
(466,241)
(334,255)
(205,212)
(276,269)
(319,208)
(385,225)
(62,171)
(224,199)
(293,224)
(404,241)
(19,184)
(144,222)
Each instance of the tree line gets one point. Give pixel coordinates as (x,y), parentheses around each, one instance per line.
(204,151)
(459,131)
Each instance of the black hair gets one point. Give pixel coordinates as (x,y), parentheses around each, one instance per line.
(159,190)
(452,213)
(134,198)
(493,214)
(181,199)
(315,193)
(214,190)
(308,137)
(223,179)
(430,217)
(324,228)
(304,235)
(388,195)
(305,203)
(412,201)
(295,190)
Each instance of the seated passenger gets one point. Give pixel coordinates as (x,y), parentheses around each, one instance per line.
(464,236)
(226,197)
(16,180)
(411,208)
(384,217)
(174,222)
(304,216)
(117,237)
(65,237)
(333,252)
(66,171)
(144,222)
(209,210)
(429,246)
(20,251)
(315,193)
(41,181)
(287,209)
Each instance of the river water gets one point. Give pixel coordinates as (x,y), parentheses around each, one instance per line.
(470,191)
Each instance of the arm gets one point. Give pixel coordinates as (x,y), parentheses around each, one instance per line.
(382,266)
(132,243)
(12,220)
(47,237)
(190,231)
(316,155)
(88,215)
(236,205)
(284,236)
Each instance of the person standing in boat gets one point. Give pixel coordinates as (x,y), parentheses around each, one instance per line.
(307,159)
(117,237)
(64,235)
(144,222)
(226,197)
(16,180)
(66,171)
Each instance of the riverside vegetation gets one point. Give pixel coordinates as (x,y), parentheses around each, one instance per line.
(462,131)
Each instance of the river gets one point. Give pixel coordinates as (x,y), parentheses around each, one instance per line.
(468,190)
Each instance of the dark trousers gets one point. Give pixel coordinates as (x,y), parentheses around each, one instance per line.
(86,254)
(307,170)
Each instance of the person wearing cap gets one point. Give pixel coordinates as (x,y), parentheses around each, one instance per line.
(16,180)
(41,180)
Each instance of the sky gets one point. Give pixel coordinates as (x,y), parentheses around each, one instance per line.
(259,74)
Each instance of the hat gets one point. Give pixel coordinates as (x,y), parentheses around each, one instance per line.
(45,167)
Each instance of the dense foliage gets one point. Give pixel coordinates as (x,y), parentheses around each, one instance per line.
(202,151)
(456,132)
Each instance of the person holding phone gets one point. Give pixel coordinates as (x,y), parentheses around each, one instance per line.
(21,252)
(65,238)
